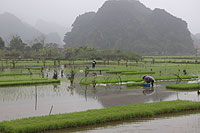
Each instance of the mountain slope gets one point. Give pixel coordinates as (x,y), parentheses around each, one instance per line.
(130,25)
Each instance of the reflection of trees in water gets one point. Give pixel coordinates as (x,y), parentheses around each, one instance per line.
(95,92)
(148,91)
(70,89)
(36,97)
(86,92)
(28,92)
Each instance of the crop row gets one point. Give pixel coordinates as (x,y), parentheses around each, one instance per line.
(136,79)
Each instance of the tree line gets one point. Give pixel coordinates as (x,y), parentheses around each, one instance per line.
(17,48)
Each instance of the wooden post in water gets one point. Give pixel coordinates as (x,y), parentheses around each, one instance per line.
(35,97)
(86,92)
(51,110)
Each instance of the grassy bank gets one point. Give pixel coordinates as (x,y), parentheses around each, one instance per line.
(92,117)
(137,79)
(135,73)
(175,77)
(33,68)
(28,82)
(22,79)
(119,71)
(98,69)
(135,84)
(193,86)
(16,74)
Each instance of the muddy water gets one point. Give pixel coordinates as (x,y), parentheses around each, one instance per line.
(27,101)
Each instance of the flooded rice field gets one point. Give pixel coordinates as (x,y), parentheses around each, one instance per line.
(20,102)
(27,101)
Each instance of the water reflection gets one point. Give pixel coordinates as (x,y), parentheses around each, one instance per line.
(29,92)
(148,91)
(36,97)
(71,89)
(26,101)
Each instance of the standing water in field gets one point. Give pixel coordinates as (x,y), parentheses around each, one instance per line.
(27,101)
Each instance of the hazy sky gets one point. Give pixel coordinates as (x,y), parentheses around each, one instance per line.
(64,12)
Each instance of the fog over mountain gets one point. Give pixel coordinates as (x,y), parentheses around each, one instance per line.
(196,39)
(64,12)
(51,28)
(10,26)
(53,38)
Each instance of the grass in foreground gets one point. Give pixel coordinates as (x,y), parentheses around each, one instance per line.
(193,86)
(97,116)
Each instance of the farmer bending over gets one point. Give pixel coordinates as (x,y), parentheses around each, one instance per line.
(94,63)
(149,79)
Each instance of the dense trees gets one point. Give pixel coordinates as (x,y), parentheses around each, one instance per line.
(37,46)
(2,43)
(86,52)
(16,43)
(18,49)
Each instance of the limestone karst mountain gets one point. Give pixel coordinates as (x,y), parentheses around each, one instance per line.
(130,25)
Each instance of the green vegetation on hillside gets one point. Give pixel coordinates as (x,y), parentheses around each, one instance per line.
(113,26)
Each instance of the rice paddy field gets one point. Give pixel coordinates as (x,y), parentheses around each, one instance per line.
(101,99)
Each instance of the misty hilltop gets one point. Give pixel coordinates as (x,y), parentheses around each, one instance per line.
(196,39)
(130,25)
(10,26)
(50,28)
